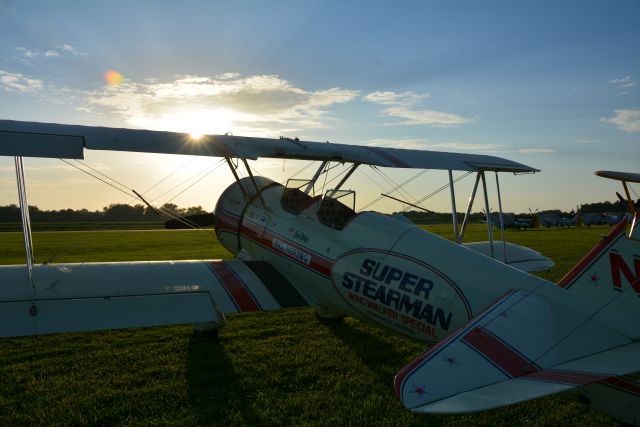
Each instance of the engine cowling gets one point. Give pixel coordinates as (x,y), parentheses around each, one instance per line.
(231,207)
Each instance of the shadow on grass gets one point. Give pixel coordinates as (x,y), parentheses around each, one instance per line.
(381,357)
(215,390)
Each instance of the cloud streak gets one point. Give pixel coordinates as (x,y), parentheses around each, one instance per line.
(423,144)
(16,82)
(63,50)
(627,120)
(405,106)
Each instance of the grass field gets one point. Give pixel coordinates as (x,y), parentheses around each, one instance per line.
(265,369)
(84,226)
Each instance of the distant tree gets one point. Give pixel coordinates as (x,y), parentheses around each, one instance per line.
(122,212)
(194,210)
(173,208)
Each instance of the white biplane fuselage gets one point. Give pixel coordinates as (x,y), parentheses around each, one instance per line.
(367,265)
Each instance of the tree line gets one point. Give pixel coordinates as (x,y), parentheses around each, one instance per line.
(114,212)
(123,212)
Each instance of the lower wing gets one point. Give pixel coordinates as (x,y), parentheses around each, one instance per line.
(92,296)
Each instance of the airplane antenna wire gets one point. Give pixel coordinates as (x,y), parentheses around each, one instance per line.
(444,187)
(100,173)
(166,212)
(194,183)
(302,169)
(403,183)
(168,176)
(206,171)
(139,197)
(393,183)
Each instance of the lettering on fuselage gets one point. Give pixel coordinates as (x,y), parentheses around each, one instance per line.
(292,251)
(402,294)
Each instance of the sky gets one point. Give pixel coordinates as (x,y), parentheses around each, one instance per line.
(550,84)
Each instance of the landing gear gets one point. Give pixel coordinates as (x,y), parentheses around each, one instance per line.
(329,317)
(209,329)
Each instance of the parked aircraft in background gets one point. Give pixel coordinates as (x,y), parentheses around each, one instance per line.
(546,220)
(504,336)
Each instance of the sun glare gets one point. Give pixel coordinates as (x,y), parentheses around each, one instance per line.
(200,123)
(195,123)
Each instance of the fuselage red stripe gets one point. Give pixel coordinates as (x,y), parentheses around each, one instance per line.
(569,278)
(487,344)
(566,377)
(317,263)
(623,384)
(234,287)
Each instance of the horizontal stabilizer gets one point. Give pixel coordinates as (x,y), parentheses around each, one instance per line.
(517,256)
(92,296)
(527,345)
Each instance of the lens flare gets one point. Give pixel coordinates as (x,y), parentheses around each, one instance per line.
(113,78)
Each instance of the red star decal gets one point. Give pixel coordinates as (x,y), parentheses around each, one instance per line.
(593,278)
(450,360)
(419,390)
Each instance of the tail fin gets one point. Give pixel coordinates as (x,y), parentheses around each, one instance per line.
(609,269)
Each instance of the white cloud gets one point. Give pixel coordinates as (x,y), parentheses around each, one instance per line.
(622,80)
(425,117)
(16,82)
(28,53)
(392,98)
(262,104)
(405,106)
(72,50)
(536,151)
(63,50)
(627,120)
(423,144)
(409,143)
(624,83)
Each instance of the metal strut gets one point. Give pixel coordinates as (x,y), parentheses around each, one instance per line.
(315,177)
(504,242)
(344,179)
(235,175)
(26,223)
(469,207)
(454,213)
(255,184)
(487,213)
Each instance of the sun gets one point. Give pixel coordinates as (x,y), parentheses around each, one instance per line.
(196,123)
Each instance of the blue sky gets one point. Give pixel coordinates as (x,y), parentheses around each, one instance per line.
(549,84)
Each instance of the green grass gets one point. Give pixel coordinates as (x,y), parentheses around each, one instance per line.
(265,369)
(84,226)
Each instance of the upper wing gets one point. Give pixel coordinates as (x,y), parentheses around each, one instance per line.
(91,296)
(29,139)
(525,346)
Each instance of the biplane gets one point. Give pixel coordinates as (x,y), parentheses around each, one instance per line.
(503,335)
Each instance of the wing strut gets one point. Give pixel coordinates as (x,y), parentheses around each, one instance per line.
(235,175)
(316,176)
(504,242)
(343,180)
(487,212)
(255,184)
(454,213)
(465,220)
(26,226)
